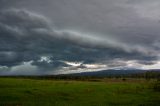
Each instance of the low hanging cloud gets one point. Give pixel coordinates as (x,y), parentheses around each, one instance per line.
(30,39)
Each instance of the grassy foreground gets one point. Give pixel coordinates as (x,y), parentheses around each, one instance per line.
(109,92)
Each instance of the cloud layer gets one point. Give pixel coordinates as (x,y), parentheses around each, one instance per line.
(112,36)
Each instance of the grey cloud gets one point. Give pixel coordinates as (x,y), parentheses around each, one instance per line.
(114,18)
(27,36)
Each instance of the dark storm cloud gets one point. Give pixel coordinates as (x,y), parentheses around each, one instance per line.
(26,36)
(87,31)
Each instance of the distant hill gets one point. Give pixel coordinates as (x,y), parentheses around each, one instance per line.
(113,72)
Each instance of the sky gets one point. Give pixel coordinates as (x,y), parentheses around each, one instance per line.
(39,37)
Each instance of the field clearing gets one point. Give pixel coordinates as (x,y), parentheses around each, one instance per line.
(106,92)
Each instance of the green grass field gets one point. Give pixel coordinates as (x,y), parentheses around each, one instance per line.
(108,92)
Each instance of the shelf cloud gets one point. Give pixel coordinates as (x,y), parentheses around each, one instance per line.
(96,34)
